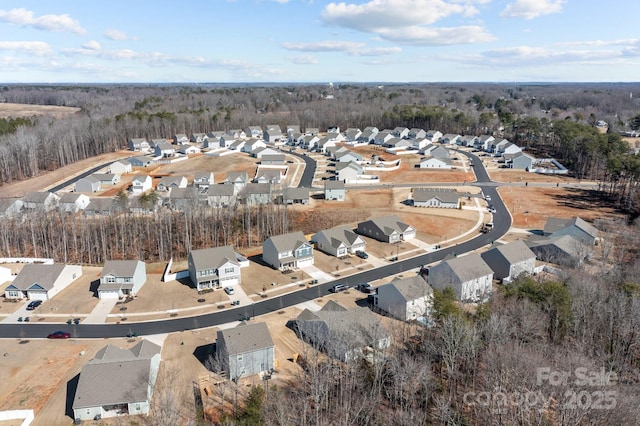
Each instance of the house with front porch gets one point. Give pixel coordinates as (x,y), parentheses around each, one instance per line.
(436,197)
(388,229)
(202,180)
(287,251)
(138,144)
(120,278)
(166,183)
(141,183)
(215,267)
(38,281)
(339,242)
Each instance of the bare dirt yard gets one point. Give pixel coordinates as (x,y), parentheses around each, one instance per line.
(9,110)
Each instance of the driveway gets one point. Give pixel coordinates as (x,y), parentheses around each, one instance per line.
(317,274)
(101,311)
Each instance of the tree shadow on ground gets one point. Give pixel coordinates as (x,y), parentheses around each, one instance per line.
(203,352)
(586,199)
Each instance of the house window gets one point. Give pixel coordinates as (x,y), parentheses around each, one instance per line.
(239,357)
(14,294)
(88,411)
(229,270)
(127,280)
(111,279)
(137,407)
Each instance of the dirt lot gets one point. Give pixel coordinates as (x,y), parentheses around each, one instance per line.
(9,110)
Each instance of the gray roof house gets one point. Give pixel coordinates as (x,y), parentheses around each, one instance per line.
(120,167)
(368,135)
(202,180)
(269,175)
(564,250)
(273,159)
(436,197)
(340,241)
(138,144)
(469,276)
(237,179)
(388,229)
(435,163)
(256,193)
(295,196)
(434,135)
(87,184)
(484,142)
(272,133)
(140,161)
(100,207)
(168,182)
(521,161)
(334,190)
(349,172)
(407,299)
(117,382)
(107,178)
(254,132)
(576,227)
(344,334)
(510,260)
(450,138)
(352,134)
(180,138)
(417,133)
(245,350)
(184,199)
(164,149)
(121,278)
(215,267)
(400,132)
(72,202)
(41,201)
(467,140)
(10,207)
(38,281)
(221,195)
(141,183)
(437,151)
(287,251)
(197,137)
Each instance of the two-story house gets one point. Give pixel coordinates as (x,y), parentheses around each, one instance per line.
(288,251)
(121,278)
(215,267)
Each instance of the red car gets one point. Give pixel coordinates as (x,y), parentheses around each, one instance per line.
(59,335)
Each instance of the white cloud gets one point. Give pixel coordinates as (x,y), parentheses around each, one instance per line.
(438,36)
(117,35)
(92,45)
(302,60)
(324,46)
(386,14)
(409,21)
(349,47)
(601,43)
(529,9)
(56,23)
(34,47)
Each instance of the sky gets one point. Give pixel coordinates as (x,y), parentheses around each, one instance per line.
(311,41)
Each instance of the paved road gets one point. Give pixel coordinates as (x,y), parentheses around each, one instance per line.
(78,177)
(502,223)
(306,181)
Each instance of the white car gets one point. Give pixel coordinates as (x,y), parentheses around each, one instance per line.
(487,197)
(229,290)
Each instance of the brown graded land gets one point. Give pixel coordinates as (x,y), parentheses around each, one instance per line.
(9,110)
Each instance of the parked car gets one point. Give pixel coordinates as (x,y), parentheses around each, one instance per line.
(338,288)
(366,288)
(33,304)
(487,197)
(59,335)
(229,290)
(362,254)
(491,210)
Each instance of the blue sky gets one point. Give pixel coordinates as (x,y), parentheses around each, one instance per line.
(318,41)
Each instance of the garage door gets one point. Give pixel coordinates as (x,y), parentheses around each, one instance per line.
(305,262)
(108,294)
(37,295)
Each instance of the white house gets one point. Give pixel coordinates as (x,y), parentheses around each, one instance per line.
(510,260)
(436,197)
(73,202)
(406,299)
(141,183)
(38,281)
(339,242)
(435,163)
(121,278)
(469,276)
(120,167)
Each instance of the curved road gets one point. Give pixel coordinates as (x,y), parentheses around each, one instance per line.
(502,223)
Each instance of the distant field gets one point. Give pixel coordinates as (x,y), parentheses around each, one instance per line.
(8,110)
